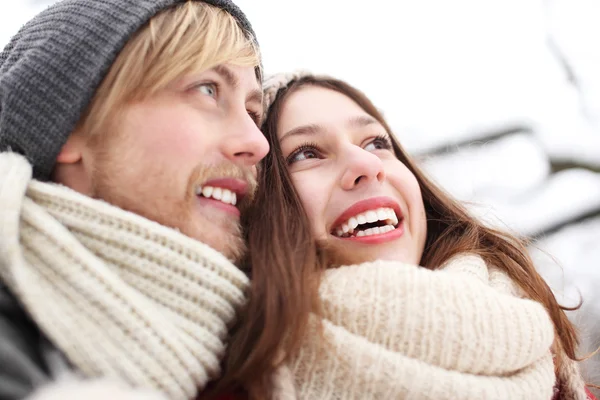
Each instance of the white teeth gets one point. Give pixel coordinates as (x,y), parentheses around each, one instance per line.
(386,229)
(385,214)
(352,223)
(371,216)
(217,193)
(226,197)
(378,230)
(207,191)
(345,228)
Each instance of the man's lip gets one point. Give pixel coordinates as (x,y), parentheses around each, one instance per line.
(238,186)
(233,210)
(366,205)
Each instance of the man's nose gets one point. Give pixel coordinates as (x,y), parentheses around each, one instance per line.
(245,144)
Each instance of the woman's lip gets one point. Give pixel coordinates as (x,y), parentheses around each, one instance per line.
(378,238)
(366,205)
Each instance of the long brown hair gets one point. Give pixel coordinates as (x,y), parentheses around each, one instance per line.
(286,265)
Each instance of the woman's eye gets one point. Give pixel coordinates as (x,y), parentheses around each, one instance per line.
(209,89)
(379,143)
(302,153)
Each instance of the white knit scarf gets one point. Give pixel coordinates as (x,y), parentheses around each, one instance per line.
(397,331)
(121,296)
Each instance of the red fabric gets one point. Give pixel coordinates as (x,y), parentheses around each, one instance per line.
(590,395)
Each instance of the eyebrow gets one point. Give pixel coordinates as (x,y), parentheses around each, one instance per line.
(310,129)
(313,129)
(232,80)
(361,121)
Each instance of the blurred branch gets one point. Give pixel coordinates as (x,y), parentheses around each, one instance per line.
(563,60)
(574,221)
(558,166)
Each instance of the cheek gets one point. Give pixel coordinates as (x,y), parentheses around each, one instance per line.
(167,136)
(406,181)
(414,198)
(313,199)
(408,186)
(414,192)
(173,141)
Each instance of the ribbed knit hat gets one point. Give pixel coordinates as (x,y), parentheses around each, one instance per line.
(273,84)
(52,67)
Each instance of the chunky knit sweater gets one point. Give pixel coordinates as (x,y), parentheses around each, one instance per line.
(397,331)
(122,297)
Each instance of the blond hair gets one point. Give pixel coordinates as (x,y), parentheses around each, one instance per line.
(190,37)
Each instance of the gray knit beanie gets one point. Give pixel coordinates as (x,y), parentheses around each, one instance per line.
(52,67)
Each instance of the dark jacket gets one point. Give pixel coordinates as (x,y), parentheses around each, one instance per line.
(26,356)
(27,359)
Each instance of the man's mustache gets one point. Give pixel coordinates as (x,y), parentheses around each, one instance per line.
(203,173)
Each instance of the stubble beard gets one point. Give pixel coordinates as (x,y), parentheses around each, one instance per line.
(218,230)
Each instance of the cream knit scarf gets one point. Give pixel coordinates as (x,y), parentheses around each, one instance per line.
(396,331)
(121,296)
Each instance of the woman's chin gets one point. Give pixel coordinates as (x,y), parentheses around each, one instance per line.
(340,252)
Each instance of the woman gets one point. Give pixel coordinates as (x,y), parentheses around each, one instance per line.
(337,190)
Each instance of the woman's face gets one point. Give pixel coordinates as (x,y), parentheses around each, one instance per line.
(362,202)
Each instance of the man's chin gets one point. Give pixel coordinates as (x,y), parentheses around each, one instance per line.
(220,232)
(227,242)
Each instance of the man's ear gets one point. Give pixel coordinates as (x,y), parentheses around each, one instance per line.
(70,168)
(72,150)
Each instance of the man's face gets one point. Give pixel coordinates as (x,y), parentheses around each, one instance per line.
(186,156)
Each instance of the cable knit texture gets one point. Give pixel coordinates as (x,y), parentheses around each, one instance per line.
(397,331)
(276,82)
(123,297)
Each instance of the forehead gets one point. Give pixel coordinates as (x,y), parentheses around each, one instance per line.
(238,76)
(316,105)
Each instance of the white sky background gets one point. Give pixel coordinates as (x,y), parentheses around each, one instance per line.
(440,70)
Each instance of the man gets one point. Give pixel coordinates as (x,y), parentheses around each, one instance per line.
(128,139)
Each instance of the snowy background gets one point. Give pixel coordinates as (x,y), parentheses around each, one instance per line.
(499,99)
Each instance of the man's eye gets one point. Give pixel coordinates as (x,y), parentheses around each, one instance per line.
(209,89)
(256,117)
